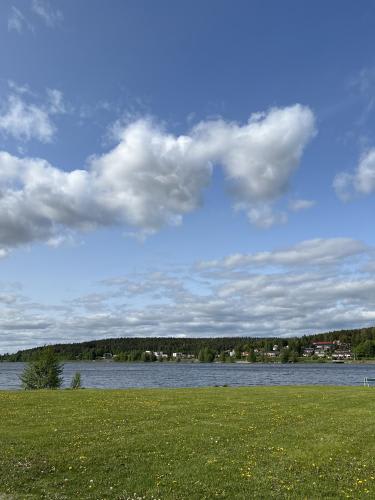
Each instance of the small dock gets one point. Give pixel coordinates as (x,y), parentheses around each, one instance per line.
(367,381)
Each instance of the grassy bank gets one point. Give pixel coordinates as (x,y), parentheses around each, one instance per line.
(188,444)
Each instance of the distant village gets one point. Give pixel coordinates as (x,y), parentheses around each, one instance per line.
(323,350)
(334,350)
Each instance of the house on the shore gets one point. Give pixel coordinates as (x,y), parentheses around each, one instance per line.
(272,354)
(342,355)
(308,351)
(160,355)
(323,346)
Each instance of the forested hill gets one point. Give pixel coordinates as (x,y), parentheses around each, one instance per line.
(97,348)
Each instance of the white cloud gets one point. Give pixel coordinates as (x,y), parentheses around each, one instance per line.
(3,253)
(25,121)
(29,120)
(17,21)
(151,178)
(56,103)
(364,179)
(265,217)
(361,181)
(307,253)
(47,13)
(260,157)
(61,239)
(19,89)
(298,205)
(364,82)
(343,186)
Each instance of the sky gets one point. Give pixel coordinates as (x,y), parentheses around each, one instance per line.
(185,168)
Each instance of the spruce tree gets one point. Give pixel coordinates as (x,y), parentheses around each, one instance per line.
(43,373)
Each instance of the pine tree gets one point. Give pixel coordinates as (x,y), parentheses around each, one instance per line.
(43,373)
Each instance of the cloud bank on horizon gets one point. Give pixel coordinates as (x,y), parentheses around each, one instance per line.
(150,178)
(328,283)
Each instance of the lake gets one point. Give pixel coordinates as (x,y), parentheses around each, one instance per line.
(111,375)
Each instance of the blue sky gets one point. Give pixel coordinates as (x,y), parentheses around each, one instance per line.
(185,168)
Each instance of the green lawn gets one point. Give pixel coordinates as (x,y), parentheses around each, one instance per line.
(263,442)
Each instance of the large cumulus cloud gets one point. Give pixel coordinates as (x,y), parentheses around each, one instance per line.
(152,178)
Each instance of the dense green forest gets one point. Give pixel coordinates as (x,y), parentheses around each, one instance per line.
(362,342)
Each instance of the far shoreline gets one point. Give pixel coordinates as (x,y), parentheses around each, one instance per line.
(301,361)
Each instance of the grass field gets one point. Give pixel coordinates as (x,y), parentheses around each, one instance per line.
(295,442)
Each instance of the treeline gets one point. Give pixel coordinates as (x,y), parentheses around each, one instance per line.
(362,342)
(133,347)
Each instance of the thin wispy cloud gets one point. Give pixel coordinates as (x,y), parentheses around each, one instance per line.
(49,14)
(18,22)
(25,118)
(300,204)
(308,253)
(263,215)
(43,11)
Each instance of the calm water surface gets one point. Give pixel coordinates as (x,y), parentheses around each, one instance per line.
(112,375)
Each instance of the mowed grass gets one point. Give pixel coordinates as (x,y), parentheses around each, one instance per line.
(263,442)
